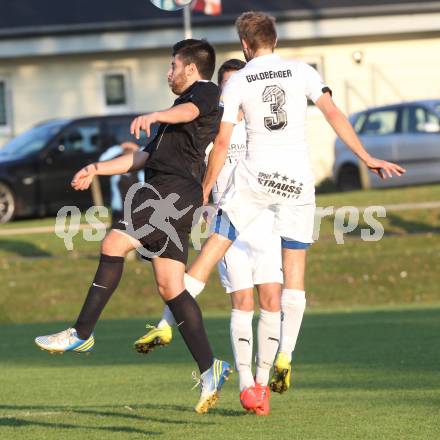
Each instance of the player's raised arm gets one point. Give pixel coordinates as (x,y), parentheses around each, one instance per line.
(345,131)
(179,114)
(217,158)
(120,165)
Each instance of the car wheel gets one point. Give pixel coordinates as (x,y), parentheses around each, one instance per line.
(349,178)
(7,203)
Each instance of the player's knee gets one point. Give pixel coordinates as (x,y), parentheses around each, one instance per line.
(168,288)
(109,245)
(270,303)
(269,297)
(114,245)
(163,289)
(243,302)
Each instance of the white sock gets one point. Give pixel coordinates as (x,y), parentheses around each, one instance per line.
(293,304)
(167,319)
(268,343)
(242,344)
(194,287)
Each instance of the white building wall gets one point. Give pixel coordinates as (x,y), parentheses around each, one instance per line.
(68,86)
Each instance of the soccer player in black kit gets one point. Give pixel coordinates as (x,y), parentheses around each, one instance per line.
(161,212)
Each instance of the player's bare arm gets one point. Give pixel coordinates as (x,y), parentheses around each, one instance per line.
(345,131)
(217,158)
(179,114)
(120,165)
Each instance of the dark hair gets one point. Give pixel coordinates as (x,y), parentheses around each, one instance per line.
(257,29)
(199,52)
(227,66)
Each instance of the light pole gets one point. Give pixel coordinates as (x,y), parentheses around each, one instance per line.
(187,21)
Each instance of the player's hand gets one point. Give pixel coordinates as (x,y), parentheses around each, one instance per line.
(205,199)
(205,202)
(83,178)
(130,147)
(383,168)
(142,123)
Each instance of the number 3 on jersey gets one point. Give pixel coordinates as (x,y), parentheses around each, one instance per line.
(277,98)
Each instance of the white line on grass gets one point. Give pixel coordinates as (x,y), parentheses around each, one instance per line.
(46,229)
(34,414)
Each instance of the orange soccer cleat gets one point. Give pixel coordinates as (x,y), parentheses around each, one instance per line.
(249,400)
(263,395)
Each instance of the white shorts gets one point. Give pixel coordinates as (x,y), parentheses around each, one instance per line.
(290,196)
(254,258)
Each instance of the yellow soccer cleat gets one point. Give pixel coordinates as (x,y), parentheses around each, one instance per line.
(156,337)
(280,381)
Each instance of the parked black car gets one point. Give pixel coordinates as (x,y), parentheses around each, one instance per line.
(37,166)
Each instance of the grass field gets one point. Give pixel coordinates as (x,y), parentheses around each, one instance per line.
(358,375)
(367,365)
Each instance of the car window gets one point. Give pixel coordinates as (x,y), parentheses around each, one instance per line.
(32,140)
(359,122)
(80,138)
(118,131)
(381,122)
(418,119)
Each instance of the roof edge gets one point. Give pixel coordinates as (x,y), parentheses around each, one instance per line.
(202,21)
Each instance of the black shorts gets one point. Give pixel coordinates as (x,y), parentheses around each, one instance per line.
(160,216)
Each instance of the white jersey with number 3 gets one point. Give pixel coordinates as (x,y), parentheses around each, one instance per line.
(277,172)
(273,93)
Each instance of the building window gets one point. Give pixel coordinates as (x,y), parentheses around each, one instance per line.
(3,104)
(116,90)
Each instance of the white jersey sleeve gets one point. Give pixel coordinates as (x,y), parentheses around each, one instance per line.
(236,152)
(231,99)
(314,84)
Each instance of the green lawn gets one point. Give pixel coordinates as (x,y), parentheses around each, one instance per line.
(51,283)
(358,375)
(367,365)
(390,196)
(413,194)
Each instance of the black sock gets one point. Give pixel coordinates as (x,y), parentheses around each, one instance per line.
(189,319)
(105,283)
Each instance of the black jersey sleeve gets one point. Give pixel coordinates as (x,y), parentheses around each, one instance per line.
(205,97)
(149,148)
(156,131)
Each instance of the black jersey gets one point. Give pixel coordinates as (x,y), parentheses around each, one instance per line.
(179,149)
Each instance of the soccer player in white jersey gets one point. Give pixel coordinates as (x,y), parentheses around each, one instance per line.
(253,260)
(277,173)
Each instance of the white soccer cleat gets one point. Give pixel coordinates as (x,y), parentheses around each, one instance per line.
(67,340)
(211,382)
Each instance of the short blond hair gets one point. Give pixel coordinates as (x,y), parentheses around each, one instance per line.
(257,29)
